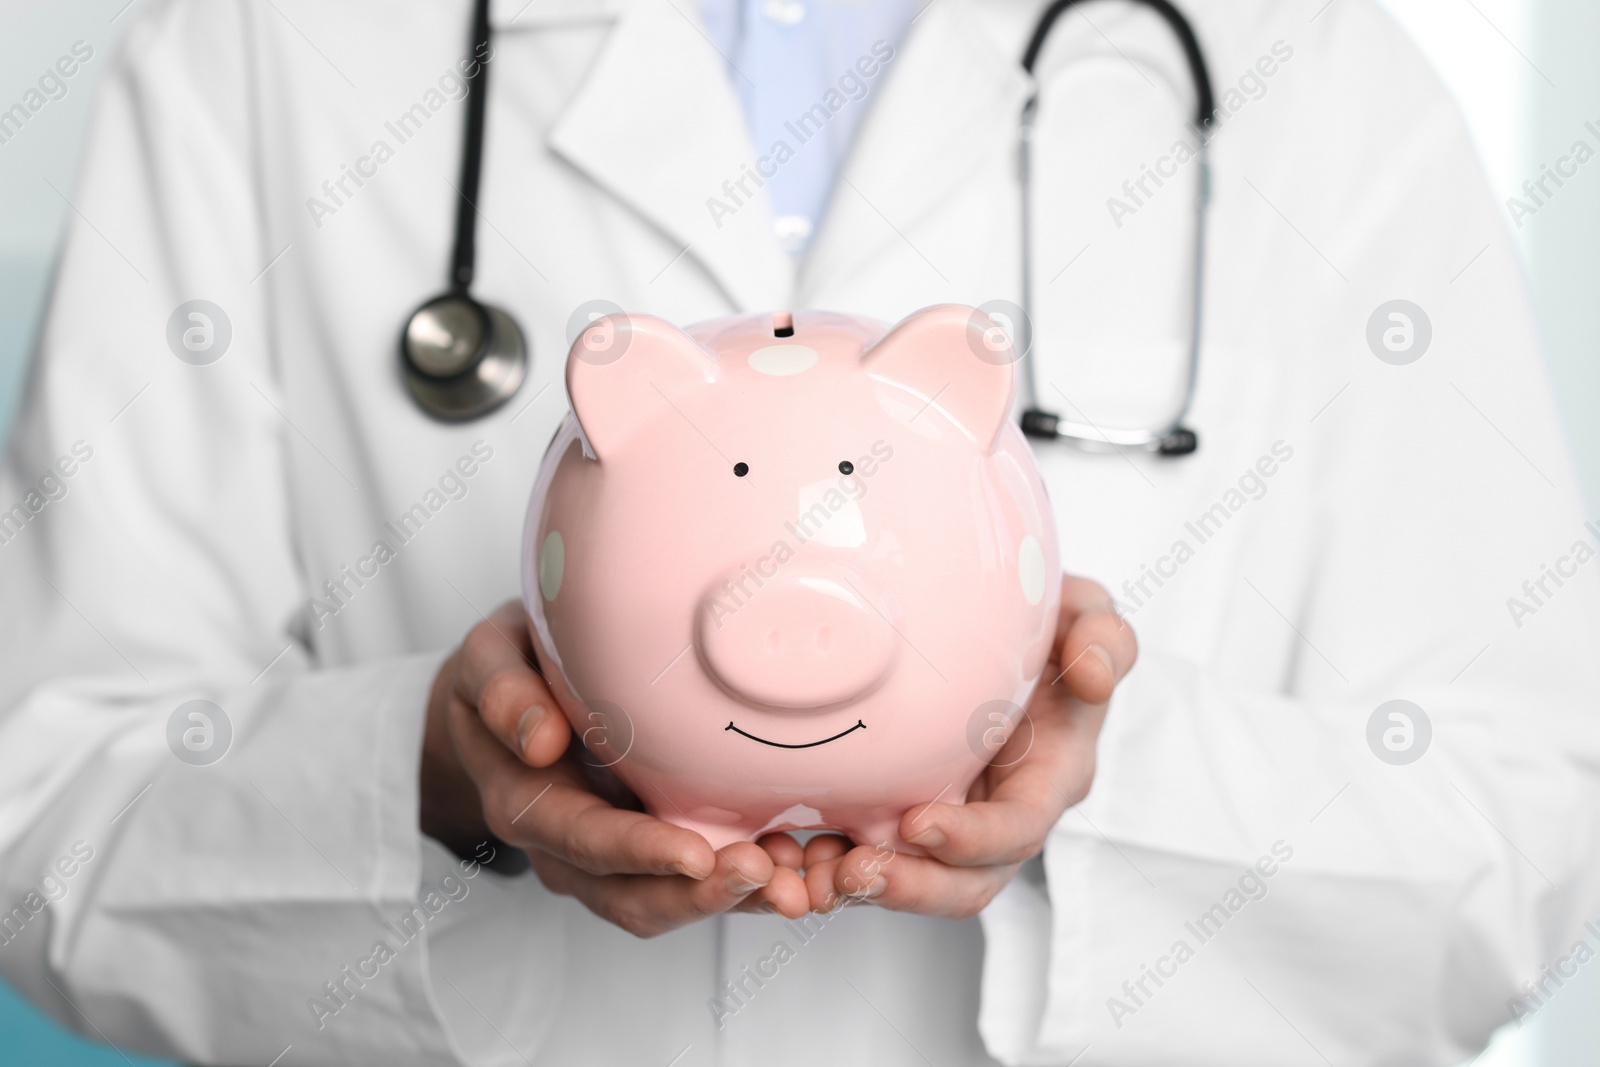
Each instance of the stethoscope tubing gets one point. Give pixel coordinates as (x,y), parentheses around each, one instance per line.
(1170,437)
(463,260)
(498,361)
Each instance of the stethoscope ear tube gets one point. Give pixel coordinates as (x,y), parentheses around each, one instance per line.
(461,358)
(1171,438)
(464,257)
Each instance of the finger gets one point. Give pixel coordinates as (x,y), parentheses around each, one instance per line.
(784,850)
(1096,645)
(1024,802)
(785,895)
(495,674)
(1079,596)
(520,711)
(647,906)
(825,847)
(506,629)
(919,884)
(819,879)
(554,811)
(822,854)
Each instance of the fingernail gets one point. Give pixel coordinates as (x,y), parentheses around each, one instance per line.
(530,719)
(876,887)
(684,867)
(1104,657)
(928,837)
(738,884)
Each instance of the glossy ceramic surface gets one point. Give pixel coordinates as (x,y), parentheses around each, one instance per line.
(783,580)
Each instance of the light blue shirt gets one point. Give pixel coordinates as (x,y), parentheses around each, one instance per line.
(806,71)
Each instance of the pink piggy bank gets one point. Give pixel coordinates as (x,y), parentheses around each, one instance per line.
(790,572)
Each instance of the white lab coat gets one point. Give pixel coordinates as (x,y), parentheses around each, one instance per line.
(1375,565)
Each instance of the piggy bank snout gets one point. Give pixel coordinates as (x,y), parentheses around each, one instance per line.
(799,640)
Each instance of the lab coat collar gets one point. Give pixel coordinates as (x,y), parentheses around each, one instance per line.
(951,99)
(658,124)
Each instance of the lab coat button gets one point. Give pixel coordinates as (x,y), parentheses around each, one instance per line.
(784,12)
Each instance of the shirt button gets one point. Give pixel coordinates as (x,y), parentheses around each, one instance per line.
(784,12)
(792,231)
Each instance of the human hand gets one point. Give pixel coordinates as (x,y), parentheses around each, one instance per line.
(497,759)
(975,848)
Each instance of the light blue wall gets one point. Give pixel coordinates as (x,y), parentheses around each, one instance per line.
(23,280)
(27,1039)
(47,150)
(44,153)
(1563,245)
(1563,240)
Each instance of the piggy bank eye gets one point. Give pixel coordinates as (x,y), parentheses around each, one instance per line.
(741,469)
(846,467)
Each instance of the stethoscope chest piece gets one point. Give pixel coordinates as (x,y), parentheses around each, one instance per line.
(462,359)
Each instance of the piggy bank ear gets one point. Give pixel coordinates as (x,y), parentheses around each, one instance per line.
(954,360)
(624,369)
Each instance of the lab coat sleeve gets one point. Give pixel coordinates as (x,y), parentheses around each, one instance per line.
(221,911)
(1249,883)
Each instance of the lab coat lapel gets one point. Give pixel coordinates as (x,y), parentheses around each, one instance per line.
(658,124)
(951,95)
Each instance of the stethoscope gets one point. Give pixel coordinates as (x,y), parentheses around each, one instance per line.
(462,358)
(1170,437)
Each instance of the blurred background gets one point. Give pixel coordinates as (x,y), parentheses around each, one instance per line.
(1523,71)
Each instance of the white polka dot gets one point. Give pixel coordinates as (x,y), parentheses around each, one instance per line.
(1030,568)
(783,360)
(553,565)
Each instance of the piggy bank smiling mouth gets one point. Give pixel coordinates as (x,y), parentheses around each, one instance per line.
(809,744)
